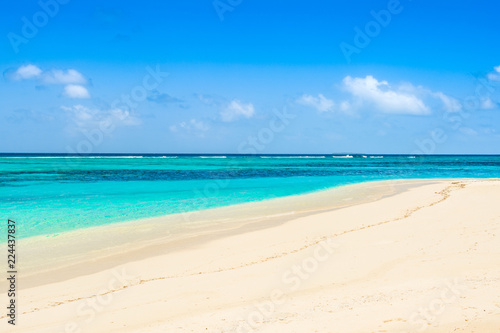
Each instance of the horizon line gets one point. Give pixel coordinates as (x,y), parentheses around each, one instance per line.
(240,154)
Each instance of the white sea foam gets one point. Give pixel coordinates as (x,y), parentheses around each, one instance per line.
(90,157)
(113,157)
(42,157)
(292,156)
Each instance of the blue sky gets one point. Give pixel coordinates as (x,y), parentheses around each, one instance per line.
(231,76)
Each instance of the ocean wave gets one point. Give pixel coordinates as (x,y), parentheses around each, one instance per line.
(74,157)
(346,156)
(376,156)
(113,157)
(42,157)
(213,156)
(292,156)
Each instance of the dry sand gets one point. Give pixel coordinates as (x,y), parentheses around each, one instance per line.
(402,256)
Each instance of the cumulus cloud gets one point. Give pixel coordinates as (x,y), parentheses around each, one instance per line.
(197,127)
(76,91)
(211,100)
(57,76)
(71,78)
(383,97)
(320,103)
(369,93)
(82,118)
(236,109)
(27,72)
(53,76)
(495,75)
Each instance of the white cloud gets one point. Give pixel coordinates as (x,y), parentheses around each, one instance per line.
(53,76)
(383,97)
(27,72)
(370,93)
(345,106)
(320,103)
(193,125)
(80,113)
(449,103)
(124,117)
(82,118)
(76,91)
(489,130)
(236,109)
(57,76)
(210,100)
(494,76)
(487,103)
(71,78)
(467,131)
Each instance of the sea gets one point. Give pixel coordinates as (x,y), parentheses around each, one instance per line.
(47,194)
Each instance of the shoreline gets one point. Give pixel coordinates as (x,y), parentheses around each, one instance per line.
(382,260)
(136,239)
(186,215)
(183,215)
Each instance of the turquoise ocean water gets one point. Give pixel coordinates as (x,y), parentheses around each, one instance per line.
(49,193)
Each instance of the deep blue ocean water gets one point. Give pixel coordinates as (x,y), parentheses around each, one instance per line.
(49,194)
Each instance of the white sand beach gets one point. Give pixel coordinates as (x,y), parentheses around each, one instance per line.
(395,256)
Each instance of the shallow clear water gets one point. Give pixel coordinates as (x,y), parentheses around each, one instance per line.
(50,194)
